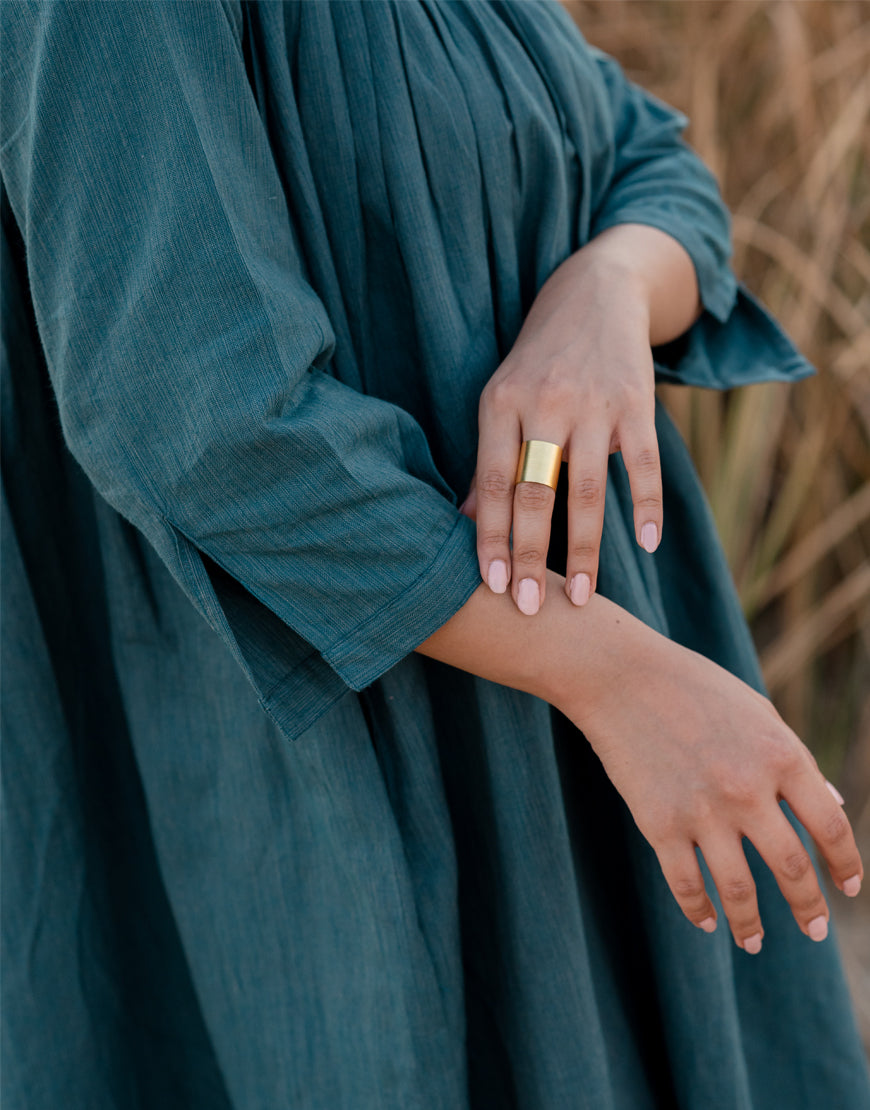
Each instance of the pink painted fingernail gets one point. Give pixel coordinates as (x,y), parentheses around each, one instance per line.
(496,578)
(752,944)
(852,886)
(581,586)
(708,925)
(529,597)
(649,537)
(818,928)
(837,795)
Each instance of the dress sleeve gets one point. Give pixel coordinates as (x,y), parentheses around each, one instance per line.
(637,168)
(653,177)
(189,356)
(648,174)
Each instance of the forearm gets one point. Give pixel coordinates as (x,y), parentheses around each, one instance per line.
(640,268)
(700,758)
(658,267)
(565,655)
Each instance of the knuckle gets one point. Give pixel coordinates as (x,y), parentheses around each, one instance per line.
(796,866)
(495,485)
(738,792)
(492,538)
(783,757)
(498,396)
(687,888)
(836,828)
(738,891)
(646,461)
(586,493)
(670,826)
(529,556)
(555,389)
(534,496)
(583,550)
(737,787)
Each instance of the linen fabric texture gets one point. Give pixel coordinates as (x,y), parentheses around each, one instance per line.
(259,261)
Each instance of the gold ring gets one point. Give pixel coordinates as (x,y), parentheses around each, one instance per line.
(539,462)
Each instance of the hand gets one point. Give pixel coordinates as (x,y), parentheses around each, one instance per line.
(581,375)
(699,757)
(702,759)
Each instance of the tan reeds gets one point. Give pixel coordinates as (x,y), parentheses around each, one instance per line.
(778,94)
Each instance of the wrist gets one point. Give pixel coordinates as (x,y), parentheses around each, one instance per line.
(560,654)
(595,668)
(606,274)
(656,272)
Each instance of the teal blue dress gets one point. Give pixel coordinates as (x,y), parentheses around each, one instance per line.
(259,260)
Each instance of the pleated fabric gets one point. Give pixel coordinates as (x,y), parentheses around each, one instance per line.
(259,260)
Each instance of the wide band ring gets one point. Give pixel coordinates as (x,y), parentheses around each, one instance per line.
(539,462)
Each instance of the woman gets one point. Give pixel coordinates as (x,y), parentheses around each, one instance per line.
(300,810)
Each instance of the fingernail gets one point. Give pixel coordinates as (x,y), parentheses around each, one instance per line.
(839,797)
(752,944)
(581,585)
(708,925)
(852,886)
(462,506)
(529,597)
(649,537)
(496,578)
(818,928)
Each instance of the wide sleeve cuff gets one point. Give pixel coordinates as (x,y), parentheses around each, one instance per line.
(745,348)
(187,351)
(649,175)
(380,641)
(295,683)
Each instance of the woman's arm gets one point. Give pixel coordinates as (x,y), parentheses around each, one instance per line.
(699,757)
(188,352)
(649,265)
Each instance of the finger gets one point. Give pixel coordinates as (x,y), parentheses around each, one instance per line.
(469,505)
(640,453)
(822,816)
(532,514)
(497,454)
(683,875)
(587,482)
(780,847)
(730,871)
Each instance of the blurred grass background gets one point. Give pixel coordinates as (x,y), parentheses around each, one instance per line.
(778,95)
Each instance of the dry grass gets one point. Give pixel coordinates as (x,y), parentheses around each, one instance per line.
(778,93)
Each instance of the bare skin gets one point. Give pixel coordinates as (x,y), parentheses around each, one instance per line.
(580,375)
(700,758)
